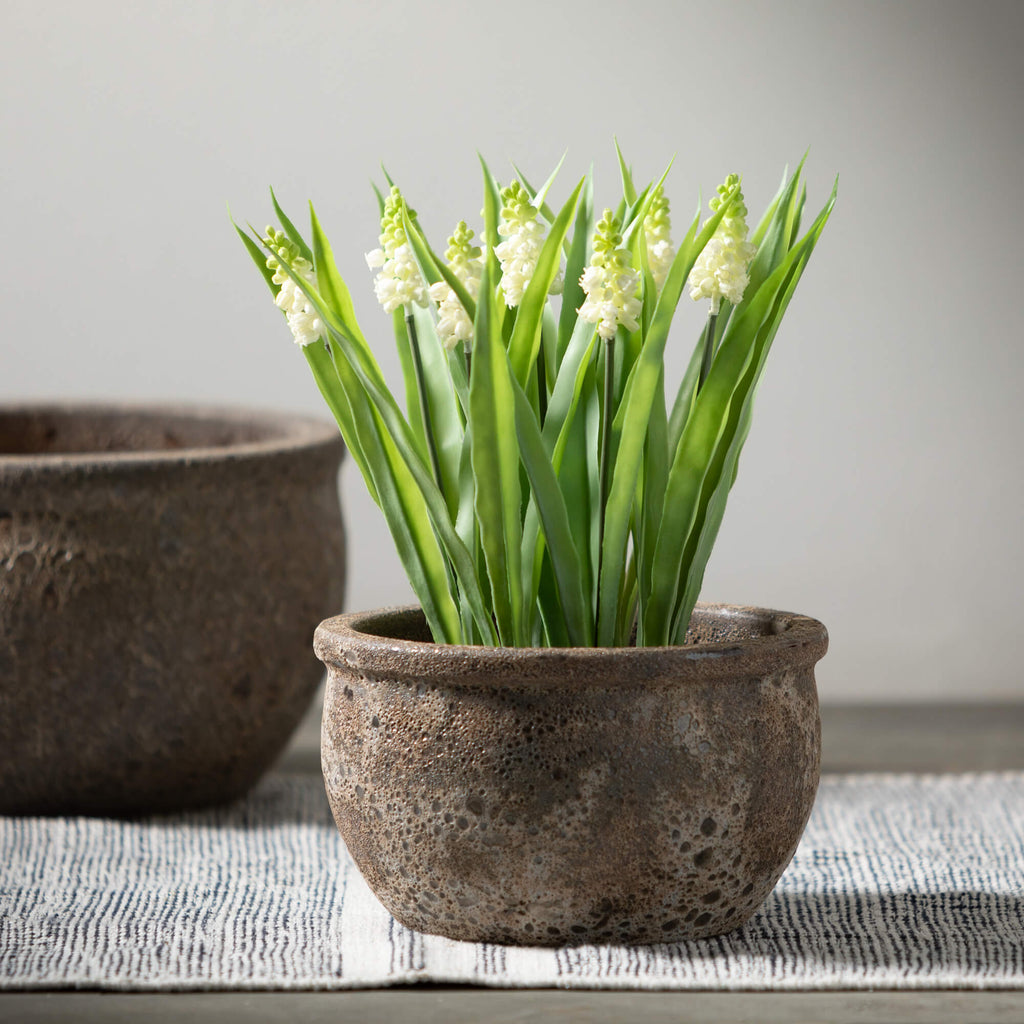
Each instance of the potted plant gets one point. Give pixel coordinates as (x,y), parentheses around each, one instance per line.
(559,745)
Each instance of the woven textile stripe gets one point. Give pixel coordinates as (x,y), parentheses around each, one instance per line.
(900,882)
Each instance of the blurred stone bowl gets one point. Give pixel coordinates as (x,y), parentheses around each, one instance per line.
(161,573)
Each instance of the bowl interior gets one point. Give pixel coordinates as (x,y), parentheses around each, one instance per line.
(78,431)
(710,624)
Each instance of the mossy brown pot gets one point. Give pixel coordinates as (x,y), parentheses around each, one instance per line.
(160,569)
(565,796)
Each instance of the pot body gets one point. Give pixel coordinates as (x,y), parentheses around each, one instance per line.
(159,568)
(553,796)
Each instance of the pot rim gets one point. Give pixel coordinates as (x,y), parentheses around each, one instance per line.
(790,640)
(288,432)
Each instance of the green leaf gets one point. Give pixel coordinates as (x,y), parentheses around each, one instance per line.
(539,196)
(723,472)
(397,495)
(551,507)
(525,341)
(492,214)
(557,435)
(330,283)
(692,474)
(465,522)
(573,295)
(542,207)
(495,460)
(638,210)
(769,213)
(291,230)
(365,367)
(553,632)
(460,382)
(259,257)
(628,188)
(633,416)
(795,214)
(634,239)
(413,405)
(433,268)
(685,394)
(775,242)
(654,480)
(443,405)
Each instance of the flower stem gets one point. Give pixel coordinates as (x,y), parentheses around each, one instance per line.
(542,387)
(421,385)
(606,443)
(709,348)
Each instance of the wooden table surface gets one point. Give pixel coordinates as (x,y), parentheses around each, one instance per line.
(911,738)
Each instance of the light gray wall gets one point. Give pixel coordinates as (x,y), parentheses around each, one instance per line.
(882,485)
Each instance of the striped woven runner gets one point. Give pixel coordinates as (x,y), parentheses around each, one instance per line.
(900,882)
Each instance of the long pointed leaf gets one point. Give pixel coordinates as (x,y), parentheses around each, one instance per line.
(722,472)
(704,431)
(551,507)
(291,230)
(259,257)
(395,491)
(635,410)
(357,353)
(525,341)
(573,295)
(628,188)
(495,460)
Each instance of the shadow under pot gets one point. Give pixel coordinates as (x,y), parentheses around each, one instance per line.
(566,796)
(159,572)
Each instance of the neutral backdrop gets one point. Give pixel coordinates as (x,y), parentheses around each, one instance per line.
(882,486)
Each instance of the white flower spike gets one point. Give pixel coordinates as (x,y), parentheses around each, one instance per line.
(720,271)
(610,282)
(303,321)
(658,231)
(399,282)
(464,259)
(524,237)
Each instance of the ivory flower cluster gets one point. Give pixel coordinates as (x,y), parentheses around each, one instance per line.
(303,321)
(464,260)
(720,271)
(523,237)
(398,282)
(610,283)
(658,231)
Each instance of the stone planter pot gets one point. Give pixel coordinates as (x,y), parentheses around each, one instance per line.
(550,797)
(159,569)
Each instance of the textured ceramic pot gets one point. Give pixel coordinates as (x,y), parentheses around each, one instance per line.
(159,571)
(549,797)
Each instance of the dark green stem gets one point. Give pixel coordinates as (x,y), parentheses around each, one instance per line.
(709,349)
(421,385)
(469,362)
(542,386)
(606,443)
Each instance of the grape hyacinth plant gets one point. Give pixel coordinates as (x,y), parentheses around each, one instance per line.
(540,487)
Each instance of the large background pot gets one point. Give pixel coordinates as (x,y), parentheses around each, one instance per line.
(567,796)
(159,572)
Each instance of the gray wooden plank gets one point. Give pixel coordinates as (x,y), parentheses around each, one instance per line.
(855,737)
(426,1005)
